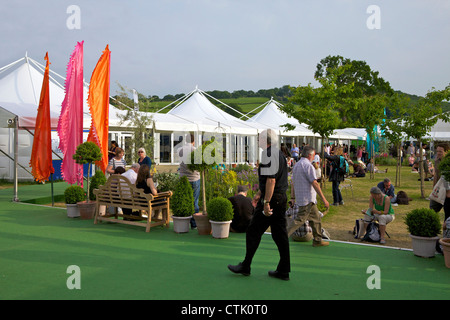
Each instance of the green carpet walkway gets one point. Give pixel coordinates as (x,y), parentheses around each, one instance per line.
(38,244)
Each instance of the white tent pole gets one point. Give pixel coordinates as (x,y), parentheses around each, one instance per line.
(242,115)
(42,68)
(10,65)
(16,158)
(31,80)
(265,103)
(183,98)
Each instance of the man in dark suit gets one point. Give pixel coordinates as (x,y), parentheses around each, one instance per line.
(271,209)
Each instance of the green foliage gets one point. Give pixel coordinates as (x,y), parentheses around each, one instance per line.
(422,117)
(363,105)
(220,209)
(136,121)
(87,152)
(167,181)
(74,194)
(424,114)
(98,179)
(205,157)
(444,167)
(182,202)
(423,222)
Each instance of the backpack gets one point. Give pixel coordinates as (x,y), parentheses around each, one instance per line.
(358,229)
(402,198)
(372,233)
(342,169)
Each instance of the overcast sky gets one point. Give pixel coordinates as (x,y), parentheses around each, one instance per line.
(164,47)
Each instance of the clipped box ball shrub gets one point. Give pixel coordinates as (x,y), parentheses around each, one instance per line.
(220,209)
(74,194)
(423,222)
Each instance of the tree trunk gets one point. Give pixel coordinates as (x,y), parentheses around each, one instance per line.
(324,170)
(204,192)
(89,171)
(399,165)
(422,187)
(372,159)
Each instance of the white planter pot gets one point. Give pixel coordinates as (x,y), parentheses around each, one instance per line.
(423,246)
(181,224)
(220,229)
(72,210)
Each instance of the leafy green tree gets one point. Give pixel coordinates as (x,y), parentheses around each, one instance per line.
(202,159)
(138,122)
(421,117)
(393,127)
(87,152)
(362,107)
(319,108)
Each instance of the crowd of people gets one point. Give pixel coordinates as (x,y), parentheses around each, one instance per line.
(300,218)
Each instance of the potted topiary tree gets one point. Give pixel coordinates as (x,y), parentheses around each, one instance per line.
(220,213)
(423,225)
(87,152)
(182,205)
(201,160)
(73,195)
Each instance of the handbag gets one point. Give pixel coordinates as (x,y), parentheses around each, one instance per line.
(439,193)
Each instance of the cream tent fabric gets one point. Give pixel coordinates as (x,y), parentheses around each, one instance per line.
(20,90)
(198,109)
(440,131)
(271,116)
(350,134)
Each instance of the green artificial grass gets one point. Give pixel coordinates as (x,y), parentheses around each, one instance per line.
(38,244)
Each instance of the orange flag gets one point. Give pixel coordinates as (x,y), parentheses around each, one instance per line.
(41,155)
(98,101)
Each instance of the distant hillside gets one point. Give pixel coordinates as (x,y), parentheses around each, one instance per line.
(241,100)
(414,99)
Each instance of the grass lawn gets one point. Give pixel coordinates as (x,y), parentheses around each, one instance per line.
(340,220)
(39,244)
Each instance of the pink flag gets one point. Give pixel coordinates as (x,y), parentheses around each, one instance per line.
(70,124)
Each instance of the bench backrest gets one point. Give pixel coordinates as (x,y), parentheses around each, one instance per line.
(118,191)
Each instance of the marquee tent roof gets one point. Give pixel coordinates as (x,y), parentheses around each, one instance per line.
(271,116)
(196,107)
(20,90)
(440,131)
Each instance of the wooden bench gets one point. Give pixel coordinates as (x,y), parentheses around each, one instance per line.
(118,192)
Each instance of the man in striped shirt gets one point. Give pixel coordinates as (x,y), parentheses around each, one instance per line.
(304,190)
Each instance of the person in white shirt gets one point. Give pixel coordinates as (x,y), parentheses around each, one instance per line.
(131,174)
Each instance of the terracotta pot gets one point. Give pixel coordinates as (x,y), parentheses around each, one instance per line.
(423,246)
(203,224)
(87,209)
(446,249)
(220,229)
(181,224)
